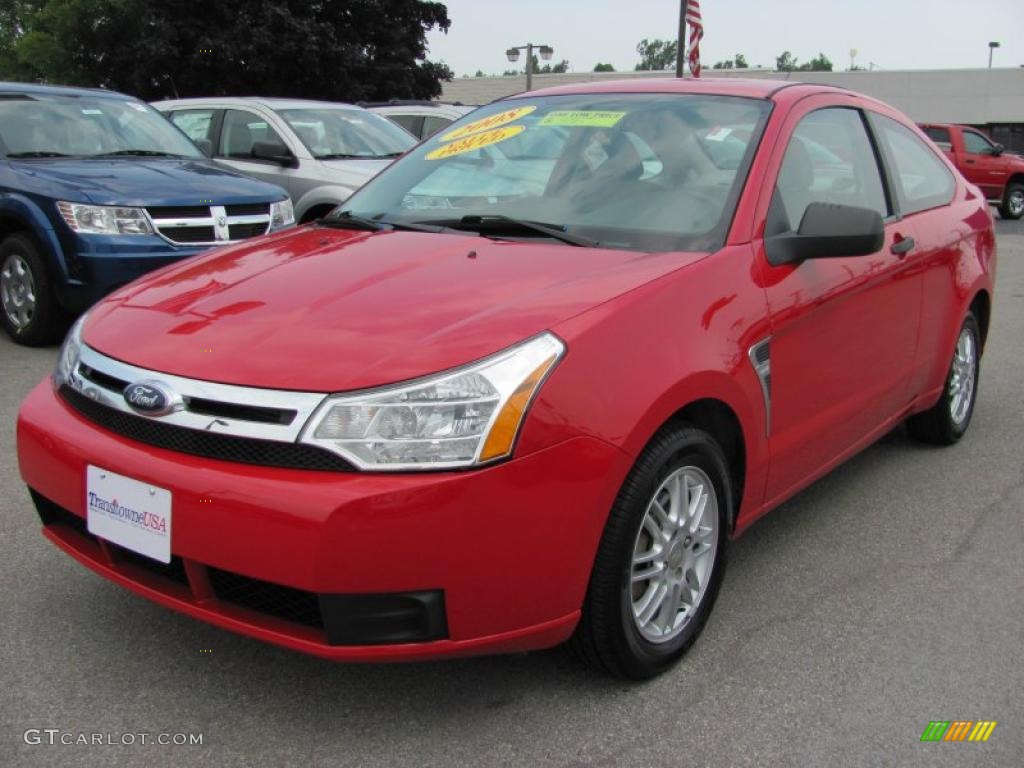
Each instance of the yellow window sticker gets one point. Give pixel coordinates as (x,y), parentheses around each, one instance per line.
(486,123)
(476,141)
(584,118)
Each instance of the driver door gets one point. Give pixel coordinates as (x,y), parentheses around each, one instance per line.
(843,330)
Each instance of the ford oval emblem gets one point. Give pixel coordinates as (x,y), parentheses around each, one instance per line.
(150,398)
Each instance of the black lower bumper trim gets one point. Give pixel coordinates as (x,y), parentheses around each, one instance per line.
(405,617)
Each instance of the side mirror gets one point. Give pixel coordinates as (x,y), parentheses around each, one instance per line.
(828,231)
(274,152)
(997,150)
(205,146)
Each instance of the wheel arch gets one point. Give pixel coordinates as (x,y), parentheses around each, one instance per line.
(332,195)
(722,418)
(20,215)
(981,306)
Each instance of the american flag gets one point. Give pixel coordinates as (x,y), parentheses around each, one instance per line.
(696,33)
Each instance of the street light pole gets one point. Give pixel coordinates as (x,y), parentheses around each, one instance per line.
(991,48)
(529,66)
(513,55)
(681,39)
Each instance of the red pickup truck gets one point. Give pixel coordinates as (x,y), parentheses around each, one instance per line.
(982,161)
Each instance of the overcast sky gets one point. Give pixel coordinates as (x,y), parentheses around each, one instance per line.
(893,34)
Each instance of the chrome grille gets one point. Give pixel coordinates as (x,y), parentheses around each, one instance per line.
(210,225)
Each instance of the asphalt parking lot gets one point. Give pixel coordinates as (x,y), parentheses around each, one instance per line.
(889,594)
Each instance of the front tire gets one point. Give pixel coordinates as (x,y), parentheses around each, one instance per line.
(661,559)
(28,307)
(1012,206)
(947,421)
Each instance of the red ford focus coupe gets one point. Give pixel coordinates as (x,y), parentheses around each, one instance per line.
(525,385)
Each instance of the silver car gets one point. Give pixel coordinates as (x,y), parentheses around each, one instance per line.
(420,118)
(319,151)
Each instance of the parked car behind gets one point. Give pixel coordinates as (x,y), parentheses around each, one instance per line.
(998,174)
(319,151)
(539,411)
(420,118)
(97,188)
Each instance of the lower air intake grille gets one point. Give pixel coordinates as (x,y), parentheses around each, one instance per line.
(295,605)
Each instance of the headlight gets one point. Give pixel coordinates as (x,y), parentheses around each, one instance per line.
(461,418)
(281,214)
(70,351)
(105,219)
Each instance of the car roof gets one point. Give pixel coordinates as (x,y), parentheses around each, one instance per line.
(718,86)
(61,90)
(263,101)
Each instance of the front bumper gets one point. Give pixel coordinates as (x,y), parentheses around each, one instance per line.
(509,547)
(97,264)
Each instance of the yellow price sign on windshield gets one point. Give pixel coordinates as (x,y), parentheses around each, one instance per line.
(476,141)
(486,123)
(589,118)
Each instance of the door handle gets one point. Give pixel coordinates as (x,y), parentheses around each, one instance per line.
(902,246)
(969,162)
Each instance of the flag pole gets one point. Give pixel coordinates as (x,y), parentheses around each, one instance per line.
(681,40)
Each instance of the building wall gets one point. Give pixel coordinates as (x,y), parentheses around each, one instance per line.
(973,96)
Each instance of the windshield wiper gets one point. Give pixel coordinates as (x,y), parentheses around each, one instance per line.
(348,220)
(351,156)
(137,153)
(37,154)
(497,221)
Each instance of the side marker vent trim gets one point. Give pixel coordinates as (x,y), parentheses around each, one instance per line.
(760,359)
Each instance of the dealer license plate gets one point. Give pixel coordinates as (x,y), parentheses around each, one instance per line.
(135,515)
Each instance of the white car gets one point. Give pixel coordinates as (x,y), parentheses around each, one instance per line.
(420,118)
(319,151)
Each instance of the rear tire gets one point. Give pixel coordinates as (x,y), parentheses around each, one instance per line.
(1012,206)
(28,306)
(625,629)
(947,421)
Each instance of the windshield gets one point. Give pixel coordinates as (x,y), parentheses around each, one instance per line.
(347,133)
(47,125)
(634,171)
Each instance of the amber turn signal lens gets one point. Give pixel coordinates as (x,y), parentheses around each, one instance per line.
(503,432)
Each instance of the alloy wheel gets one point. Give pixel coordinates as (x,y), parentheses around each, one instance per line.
(962,377)
(674,554)
(17,291)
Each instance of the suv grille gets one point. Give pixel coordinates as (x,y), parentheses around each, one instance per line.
(210,225)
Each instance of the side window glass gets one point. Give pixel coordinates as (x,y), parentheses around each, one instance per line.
(829,160)
(411,123)
(243,129)
(196,123)
(977,144)
(922,179)
(941,137)
(432,124)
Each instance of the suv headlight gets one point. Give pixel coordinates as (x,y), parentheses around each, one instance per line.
(282,214)
(105,219)
(70,351)
(461,418)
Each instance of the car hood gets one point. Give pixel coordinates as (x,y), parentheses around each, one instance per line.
(142,181)
(328,310)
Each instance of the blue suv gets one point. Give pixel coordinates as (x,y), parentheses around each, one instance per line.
(97,188)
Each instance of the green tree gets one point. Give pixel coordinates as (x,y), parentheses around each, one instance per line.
(741,61)
(656,54)
(819,63)
(785,62)
(727,64)
(329,49)
(479,73)
(599,67)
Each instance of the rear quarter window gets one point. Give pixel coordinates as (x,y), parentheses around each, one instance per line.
(922,180)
